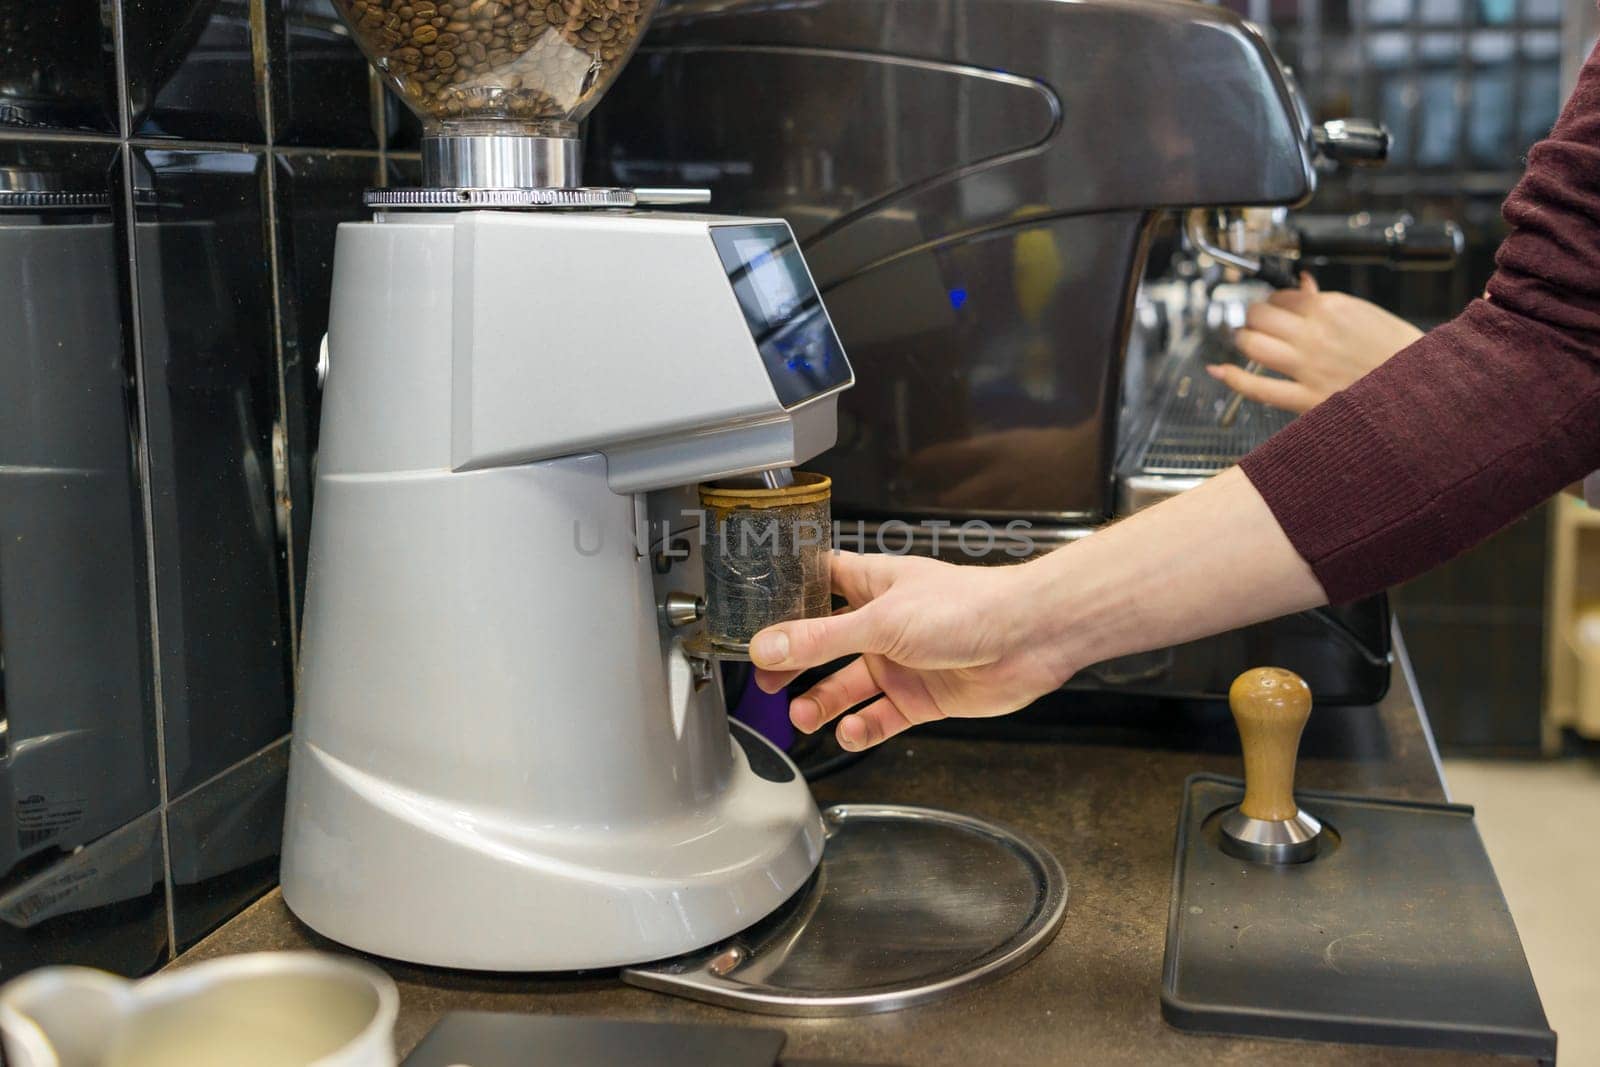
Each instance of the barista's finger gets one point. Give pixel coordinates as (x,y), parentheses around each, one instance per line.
(855,576)
(1274,392)
(1269,351)
(1272,319)
(772,681)
(833,696)
(1298,300)
(949,459)
(974,491)
(873,724)
(794,646)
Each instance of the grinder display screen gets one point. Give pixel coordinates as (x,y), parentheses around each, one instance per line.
(783,310)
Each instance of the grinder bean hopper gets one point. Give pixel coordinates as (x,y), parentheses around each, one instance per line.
(511,750)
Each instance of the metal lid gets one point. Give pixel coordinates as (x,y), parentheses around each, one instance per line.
(32,200)
(907,906)
(582,197)
(25,189)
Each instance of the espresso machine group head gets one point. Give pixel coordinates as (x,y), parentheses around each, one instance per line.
(506,755)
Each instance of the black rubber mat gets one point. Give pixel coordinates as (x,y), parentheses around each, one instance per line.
(1395,934)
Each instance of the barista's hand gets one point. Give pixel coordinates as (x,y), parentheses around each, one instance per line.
(937,641)
(1010,469)
(1321,341)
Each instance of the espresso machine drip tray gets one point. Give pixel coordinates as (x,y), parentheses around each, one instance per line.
(1182,435)
(908,905)
(1188,436)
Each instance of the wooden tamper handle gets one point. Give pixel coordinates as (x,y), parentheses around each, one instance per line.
(1270,707)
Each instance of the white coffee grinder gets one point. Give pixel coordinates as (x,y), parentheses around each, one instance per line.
(509,751)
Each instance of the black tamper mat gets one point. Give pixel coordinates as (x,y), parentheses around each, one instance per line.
(1395,934)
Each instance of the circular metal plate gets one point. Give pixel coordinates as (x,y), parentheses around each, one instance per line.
(428,199)
(435,199)
(908,905)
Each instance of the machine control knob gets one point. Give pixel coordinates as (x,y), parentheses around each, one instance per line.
(683,609)
(1270,707)
(1353,142)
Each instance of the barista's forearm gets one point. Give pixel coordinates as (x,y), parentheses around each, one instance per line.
(1209,560)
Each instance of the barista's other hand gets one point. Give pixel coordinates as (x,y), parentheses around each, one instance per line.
(936,641)
(1009,469)
(1322,342)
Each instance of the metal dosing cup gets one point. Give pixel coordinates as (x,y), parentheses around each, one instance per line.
(766,556)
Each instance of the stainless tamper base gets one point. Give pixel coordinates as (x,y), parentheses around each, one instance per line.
(1278,841)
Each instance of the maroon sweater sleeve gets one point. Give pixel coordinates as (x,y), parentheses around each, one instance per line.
(1482,418)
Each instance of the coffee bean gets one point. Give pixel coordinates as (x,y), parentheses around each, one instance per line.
(424,34)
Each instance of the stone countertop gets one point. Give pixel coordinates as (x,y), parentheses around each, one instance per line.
(1100,784)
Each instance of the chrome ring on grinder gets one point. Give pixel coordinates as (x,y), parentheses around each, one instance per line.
(766,556)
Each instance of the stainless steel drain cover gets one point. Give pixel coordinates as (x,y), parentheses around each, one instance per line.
(907,905)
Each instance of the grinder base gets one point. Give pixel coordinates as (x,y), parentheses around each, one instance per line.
(1395,934)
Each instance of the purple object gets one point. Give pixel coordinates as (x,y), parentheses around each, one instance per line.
(765,713)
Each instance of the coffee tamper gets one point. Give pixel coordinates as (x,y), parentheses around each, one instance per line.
(1270,706)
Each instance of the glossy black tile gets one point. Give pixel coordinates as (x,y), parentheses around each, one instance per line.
(193,68)
(316,192)
(205,319)
(405,128)
(405,171)
(323,91)
(224,840)
(77,721)
(58,67)
(104,905)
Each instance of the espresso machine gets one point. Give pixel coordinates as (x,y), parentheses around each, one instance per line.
(986,191)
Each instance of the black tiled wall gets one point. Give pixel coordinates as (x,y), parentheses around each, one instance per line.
(171,175)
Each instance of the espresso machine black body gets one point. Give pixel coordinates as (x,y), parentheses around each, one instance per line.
(976,184)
